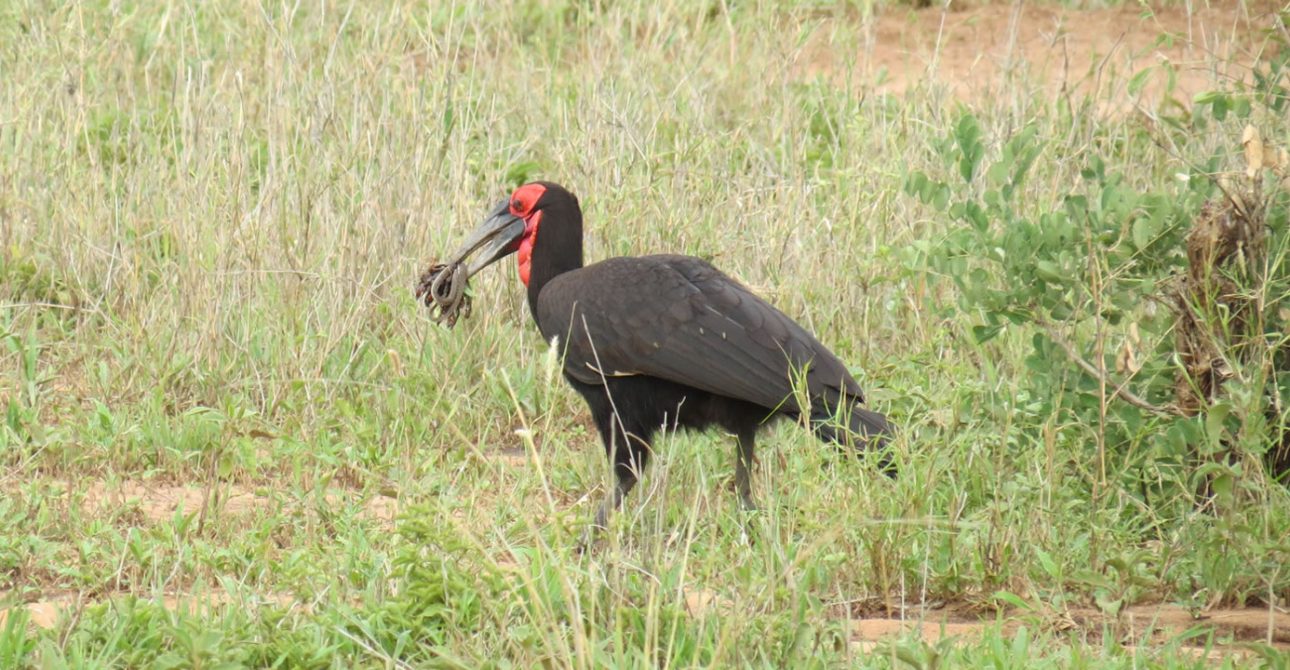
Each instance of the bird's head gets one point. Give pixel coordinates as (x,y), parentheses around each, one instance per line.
(512,226)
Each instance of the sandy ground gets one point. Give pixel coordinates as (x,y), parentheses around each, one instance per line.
(1137,625)
(158,502)
(1048,50)
(1140,625)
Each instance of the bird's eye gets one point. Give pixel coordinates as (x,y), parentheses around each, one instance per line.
(517,205)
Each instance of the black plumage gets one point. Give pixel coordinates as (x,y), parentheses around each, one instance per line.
(669,341)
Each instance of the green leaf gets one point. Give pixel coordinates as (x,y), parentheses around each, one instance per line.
(1138,81)
(1049,272)
(520,173)
(1220,108)
(1223,485)
(1048,564)
(942,198)
(1241,107)
(1014,600)
(967,133)
(915,183)
(1145,231)
(1023,166)
(1076,207)
(997,175)
(928,190)
(1109,605)
(976,216)
(967,165)
(1214,420)
(1206,97)
(983,334)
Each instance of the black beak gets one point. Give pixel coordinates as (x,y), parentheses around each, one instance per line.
(496,238)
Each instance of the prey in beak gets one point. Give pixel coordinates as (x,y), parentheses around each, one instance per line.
(443,287)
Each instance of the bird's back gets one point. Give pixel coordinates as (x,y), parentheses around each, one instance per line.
(679,318)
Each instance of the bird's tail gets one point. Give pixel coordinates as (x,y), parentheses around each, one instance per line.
(857,428)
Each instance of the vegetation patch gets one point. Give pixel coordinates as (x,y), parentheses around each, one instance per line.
(1048,241)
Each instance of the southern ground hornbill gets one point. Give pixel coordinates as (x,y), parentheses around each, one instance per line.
(656,342)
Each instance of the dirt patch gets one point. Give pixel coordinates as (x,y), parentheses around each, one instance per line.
(1147,625)
(512,456)
(382,508)
(157,502)
(45,613)
(973,51)
(1151,622)
(701,601)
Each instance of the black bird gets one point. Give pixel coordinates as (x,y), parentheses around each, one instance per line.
(663,341)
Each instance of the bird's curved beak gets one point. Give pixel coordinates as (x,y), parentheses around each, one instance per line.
(496,238)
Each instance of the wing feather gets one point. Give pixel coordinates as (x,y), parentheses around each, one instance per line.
(678,318)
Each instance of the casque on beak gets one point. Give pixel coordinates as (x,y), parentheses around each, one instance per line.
(496,238)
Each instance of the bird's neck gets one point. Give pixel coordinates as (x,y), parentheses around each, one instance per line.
(556,250)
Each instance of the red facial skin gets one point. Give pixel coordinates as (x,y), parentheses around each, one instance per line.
(523,201)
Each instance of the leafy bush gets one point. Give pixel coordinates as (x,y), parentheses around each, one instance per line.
(1097,287)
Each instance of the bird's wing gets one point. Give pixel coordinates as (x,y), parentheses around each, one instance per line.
(680,319)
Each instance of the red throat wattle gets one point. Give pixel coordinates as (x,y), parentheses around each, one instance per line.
(525,253)
(523,203)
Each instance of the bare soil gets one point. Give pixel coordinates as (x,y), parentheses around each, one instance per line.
(45,613)
(158,502)
(1050,51)
(1140,625)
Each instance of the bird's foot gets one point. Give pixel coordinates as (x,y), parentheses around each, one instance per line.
(599,525)
(589,538)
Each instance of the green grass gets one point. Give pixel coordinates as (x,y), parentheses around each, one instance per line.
(211,219)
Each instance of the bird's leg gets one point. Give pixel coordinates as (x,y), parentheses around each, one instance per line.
(622,486)
(629,453)
(743,470)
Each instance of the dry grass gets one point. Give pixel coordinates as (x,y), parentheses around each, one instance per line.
(212,218)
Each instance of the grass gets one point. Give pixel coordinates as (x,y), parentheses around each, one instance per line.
(213,215)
